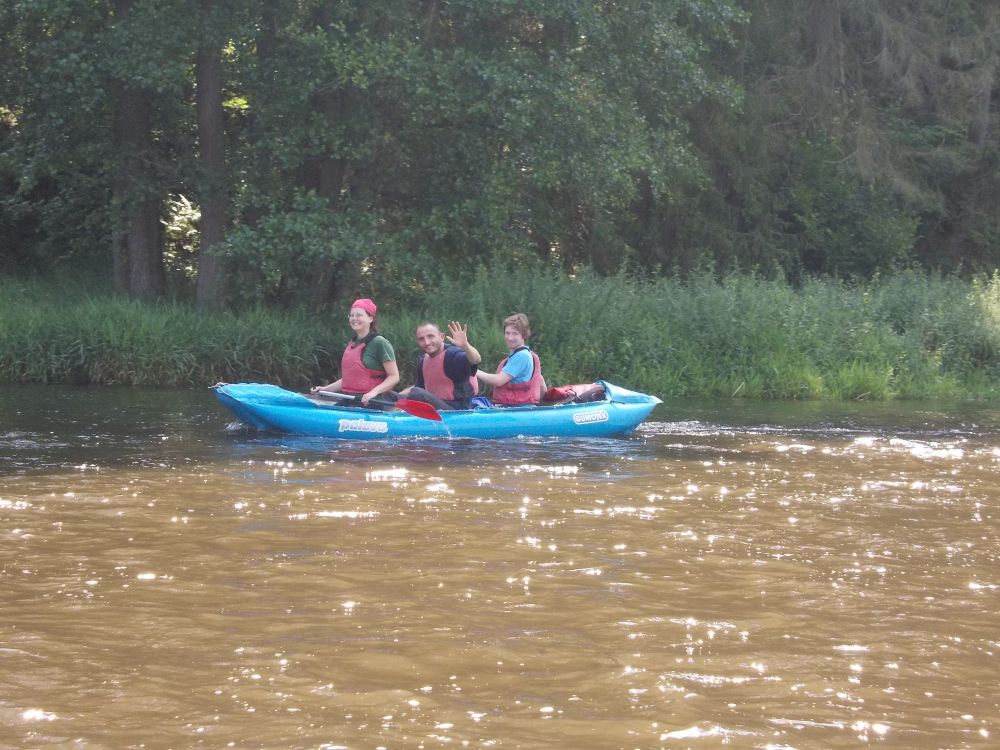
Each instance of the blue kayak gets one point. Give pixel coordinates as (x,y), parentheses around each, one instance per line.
(268,407)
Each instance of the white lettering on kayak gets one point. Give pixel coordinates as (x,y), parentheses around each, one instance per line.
(586,417)
(362,425)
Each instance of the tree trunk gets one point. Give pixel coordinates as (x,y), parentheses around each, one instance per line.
(119,237)
(139,252)
(824,41)
(982,105)
(958,245)
(267,45)
(147,279)
(326,174)
(212,157)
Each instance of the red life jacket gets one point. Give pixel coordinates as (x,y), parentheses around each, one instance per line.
(355,377)
(436,380)
(520,394)
(564,394)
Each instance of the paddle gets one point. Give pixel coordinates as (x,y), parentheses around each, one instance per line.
(416,408)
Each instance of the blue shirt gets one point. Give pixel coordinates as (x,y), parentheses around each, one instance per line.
(520,366)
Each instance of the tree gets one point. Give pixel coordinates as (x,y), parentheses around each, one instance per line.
(212,153)
(138,253)
(95,109)
(331,147)
(875,94)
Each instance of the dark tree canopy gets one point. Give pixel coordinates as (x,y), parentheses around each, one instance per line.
(295,151)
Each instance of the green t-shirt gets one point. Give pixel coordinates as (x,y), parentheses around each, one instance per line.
(377,351)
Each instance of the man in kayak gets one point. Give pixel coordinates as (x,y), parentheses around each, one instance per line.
(518,380)
(446,370)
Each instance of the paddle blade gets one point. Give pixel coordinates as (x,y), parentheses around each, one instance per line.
(418,409)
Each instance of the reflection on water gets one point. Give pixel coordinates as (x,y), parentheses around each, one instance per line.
(740,575)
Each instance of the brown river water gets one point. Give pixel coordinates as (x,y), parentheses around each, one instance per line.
(734,575)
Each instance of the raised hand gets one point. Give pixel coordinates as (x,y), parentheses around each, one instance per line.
(458,334)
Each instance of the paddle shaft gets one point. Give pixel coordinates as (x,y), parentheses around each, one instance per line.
(355,398)
(416,408)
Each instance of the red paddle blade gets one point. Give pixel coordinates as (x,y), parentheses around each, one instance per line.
(418,409)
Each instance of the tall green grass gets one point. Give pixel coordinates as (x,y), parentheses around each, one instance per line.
(49,335)
(910,335)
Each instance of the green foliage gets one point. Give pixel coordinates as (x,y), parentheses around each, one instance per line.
(955,322)
(746,336)
(181,240)
(909,335)
(841,226)
(72,58)
(454,131)
(98,338)
(661,137)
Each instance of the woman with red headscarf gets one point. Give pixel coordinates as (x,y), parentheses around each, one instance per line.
(368,367)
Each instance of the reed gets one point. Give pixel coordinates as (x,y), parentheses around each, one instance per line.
(910,335)
(108,340)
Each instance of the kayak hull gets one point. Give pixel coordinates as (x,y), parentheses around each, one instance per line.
(269,407)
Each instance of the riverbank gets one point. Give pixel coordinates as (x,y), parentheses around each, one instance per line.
(911,335)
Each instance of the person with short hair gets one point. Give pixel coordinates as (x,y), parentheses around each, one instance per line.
(446,369)
(518,380)
(368,366)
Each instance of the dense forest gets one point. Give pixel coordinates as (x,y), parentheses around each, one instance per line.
(292,152)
